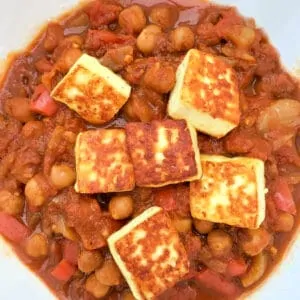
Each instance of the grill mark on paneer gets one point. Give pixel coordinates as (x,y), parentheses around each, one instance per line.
(92,90)
(102,162)
(231,191)
(163,152)
(206,94)
(213,89)
(150,254)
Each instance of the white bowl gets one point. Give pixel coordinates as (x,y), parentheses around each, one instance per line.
(20,20)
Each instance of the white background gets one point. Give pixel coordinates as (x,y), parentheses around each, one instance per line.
(19,19)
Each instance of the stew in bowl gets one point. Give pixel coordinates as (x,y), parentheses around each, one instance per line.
(149,151)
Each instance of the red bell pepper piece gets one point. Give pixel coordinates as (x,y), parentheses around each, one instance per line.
(70,251)
(63,270)
(42,103)
(216,282)
(12,229)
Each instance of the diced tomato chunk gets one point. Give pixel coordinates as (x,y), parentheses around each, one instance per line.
(102,14)
(70,251)
(216,282)
(12,229)
(180,292)
(174,198)
(182,198)
(97,38)
(63,271)
(93,233)
(283,197)
(236,267)
(42,103)
(165,198)
(193,245)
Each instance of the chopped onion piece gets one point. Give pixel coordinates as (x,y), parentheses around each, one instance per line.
(256,270)
(293,178)
(281,114)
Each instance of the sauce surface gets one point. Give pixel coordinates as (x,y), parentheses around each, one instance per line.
(46,220)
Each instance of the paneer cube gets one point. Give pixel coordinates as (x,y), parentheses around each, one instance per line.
(149,253)
(163,152)
(102,162)
(231,191)
(206,94)
(92,90)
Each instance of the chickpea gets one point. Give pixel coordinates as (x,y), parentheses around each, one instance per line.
(163,15)
(147,39)
(70,136)
(34,193)
(160,78)
(121,207)
(255,241)
(54,36)
(144,106)
(127,295)
(132,19)
(203,226)
(241,36)
(182,38)
(18,108)
(109,274)
(10,203)
(219,242)
(60,227)
(79,20)
(43,65)
(89,261)
(67,59)
(284,222)
(97,289)
(62,176)
(117,59)
(37,246)
(74,41)
(33,129)
(182,224)
(137,109)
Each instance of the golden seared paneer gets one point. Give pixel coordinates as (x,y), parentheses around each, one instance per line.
(102,162)
(206,94)
(149,253)
(92,90)
(231,191)
(163,152)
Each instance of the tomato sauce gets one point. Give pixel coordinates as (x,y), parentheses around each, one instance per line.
(48,224)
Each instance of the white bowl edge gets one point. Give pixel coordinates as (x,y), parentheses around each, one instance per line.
(17,29)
